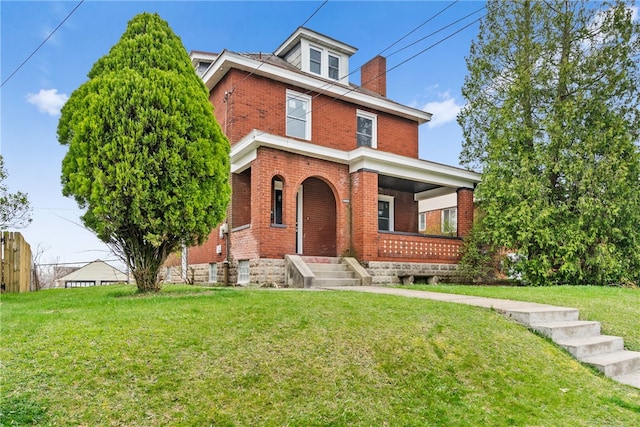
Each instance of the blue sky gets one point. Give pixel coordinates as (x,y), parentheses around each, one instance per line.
(32,98)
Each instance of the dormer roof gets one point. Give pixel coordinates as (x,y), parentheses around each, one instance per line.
(315,37)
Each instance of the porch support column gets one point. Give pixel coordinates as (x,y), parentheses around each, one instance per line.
(465,211)
(364,214)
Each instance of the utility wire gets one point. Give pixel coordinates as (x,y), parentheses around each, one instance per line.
(315,108)
(435,32)
(394,67)
(230,91)
(314,13)
(417,28)
(42,44)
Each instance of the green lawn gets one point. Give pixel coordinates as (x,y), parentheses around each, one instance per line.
(196,356)
(617,309)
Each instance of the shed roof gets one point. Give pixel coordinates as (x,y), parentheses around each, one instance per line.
(97,270)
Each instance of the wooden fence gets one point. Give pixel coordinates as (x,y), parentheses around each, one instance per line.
(16,263)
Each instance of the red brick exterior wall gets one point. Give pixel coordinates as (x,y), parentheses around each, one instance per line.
(364,207)
(341,207)
(374,75)
(241,198)
(434,222)
(206,253)
(405,210)
(465,211)
(260,103)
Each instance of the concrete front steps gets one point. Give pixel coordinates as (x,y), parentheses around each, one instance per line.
(321,272)
(582,339)
(329,271)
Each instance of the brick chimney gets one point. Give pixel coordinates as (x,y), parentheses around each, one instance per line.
(373,75)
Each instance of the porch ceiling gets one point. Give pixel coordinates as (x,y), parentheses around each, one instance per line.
(404,185)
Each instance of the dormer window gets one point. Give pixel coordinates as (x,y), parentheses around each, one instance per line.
(317,54)
(315,61)
(324,63)
(334,67)
(202,67)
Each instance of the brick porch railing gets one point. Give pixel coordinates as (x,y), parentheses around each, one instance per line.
(418,248)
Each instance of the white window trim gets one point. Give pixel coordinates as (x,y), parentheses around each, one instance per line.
(242,280)
(442,222)
(384,198)
(374,124)
(213,272)
(324,61)
(307,99)
(322,57)
(422,221)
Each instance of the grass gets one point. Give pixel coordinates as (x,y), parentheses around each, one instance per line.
(197,356)
(617,309)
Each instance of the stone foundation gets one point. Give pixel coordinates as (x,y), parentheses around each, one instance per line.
(268,273)
(386,273)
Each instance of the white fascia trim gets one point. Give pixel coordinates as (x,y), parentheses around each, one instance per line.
(245,151)
(411,169)
(302,32)
(227,60)
(436,192)
(197,56)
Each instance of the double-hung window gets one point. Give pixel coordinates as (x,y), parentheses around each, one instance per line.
(334,67)
(366,129)
(323,62)
(298,115)
(385,213)
(315,61)
(422,221)
(449,220)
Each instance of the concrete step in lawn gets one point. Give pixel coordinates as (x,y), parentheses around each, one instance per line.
(567,329)
(616,363)
(582,339)
(591,346)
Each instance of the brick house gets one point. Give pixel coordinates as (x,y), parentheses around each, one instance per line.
(321,168)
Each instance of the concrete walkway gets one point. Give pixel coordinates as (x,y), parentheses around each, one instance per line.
(580,338)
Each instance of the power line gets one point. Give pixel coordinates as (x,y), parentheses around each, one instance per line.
(42,44)
(230,91)
(436,32)
(386,71)
(417,28)
(313,14)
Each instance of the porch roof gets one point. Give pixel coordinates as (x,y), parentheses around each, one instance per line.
(428,179)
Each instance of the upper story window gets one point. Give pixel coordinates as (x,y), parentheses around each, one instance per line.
(202,67)
(366,129)
(298,115)
(334,67)
(324,63)
(315,61)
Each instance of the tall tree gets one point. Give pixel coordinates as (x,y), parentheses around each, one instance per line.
(146,157)
(553,122)
(15,209)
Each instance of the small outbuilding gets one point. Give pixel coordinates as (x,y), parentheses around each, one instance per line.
(96,273)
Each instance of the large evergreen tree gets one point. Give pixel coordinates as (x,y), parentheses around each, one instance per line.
(146,156)
(553,122)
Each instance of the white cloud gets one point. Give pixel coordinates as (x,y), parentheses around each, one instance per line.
(444,111)
(48,101)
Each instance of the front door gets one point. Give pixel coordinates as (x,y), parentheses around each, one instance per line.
(316,219)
